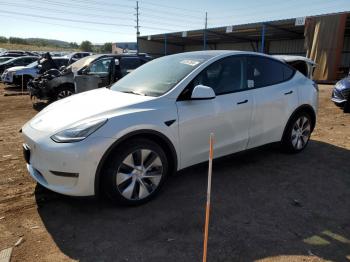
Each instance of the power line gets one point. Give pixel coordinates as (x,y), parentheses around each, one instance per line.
(70,6)
(165,6)
(68,20)
(69,26)
(169,13)
(62,11)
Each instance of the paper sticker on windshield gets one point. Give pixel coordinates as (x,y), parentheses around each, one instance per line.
(189,62)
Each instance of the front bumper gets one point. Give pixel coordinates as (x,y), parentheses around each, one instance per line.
(66,168)
(339,97)
(7,78)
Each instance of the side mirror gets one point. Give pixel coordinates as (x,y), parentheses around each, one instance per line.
(201,92)
(85,71)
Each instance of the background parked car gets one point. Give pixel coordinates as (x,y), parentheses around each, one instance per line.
(5,58)
(73,57)
(17,53)
(14,75)
(18,61)
(86,74)
(341,94)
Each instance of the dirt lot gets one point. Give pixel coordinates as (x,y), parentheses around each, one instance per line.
(266,205)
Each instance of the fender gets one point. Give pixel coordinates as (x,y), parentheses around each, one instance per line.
(165,143)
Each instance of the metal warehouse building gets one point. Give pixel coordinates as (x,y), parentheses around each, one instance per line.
(325,39)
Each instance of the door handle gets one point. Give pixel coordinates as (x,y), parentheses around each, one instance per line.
(242,102)
(288,93)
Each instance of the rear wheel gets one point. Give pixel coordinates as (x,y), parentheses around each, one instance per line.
(298,132)
(135,172)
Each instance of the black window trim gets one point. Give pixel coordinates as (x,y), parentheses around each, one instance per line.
(224,93)
(276,60)
(245,57)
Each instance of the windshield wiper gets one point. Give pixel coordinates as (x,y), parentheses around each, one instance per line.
(134,92)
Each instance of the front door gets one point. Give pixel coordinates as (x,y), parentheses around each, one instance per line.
(97,75)
(227,115)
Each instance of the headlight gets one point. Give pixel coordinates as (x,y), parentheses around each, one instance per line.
(78,132)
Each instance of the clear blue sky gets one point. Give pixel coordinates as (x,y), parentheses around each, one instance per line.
(102,21)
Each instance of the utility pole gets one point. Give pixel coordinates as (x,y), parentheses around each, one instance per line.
(137,26)
(205,32)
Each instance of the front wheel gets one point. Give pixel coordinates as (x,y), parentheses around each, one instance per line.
(298,132)
(135,172)
(64,92)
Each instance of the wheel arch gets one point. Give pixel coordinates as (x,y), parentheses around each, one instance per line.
(302,108)
(65,84)
(153,135)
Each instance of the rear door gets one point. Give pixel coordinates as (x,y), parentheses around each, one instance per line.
(128,64)
(275,97)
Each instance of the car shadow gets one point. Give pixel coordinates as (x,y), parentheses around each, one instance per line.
(40,105)
(265,204)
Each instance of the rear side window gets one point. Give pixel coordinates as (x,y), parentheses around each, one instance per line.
(262,71)
(130,63)
(287,73)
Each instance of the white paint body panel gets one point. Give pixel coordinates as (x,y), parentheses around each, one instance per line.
(236,125)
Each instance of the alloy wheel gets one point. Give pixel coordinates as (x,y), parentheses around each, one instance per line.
(139,174)
(301,132)
(64,93)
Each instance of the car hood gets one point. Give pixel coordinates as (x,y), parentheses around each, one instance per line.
(343,84)
(15,68)
(99,103)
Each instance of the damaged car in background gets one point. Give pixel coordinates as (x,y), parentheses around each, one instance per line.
(19,75)
(88,73)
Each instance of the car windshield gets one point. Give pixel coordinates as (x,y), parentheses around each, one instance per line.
(157,77)
(10,60)
(81,63)
(34,64)
(4,59)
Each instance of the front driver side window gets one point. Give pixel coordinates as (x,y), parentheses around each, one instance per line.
(223,76)
(100,66)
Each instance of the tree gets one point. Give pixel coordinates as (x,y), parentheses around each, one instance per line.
(17,40)
(73,45)
(3,39)
(86,46)
(106,48)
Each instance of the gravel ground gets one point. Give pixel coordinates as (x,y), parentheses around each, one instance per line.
(266,205)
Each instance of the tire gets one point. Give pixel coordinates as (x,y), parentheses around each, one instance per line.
(64,92)
(129,178)
(297,133)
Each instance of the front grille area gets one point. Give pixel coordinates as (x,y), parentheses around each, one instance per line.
(337,94)
(345,93)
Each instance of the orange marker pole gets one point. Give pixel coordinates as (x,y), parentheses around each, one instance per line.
(207,208)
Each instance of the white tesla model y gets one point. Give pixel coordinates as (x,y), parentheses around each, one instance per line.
(124,141)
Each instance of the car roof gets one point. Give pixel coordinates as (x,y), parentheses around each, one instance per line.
(27,56)
(60,57)
(293,58)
